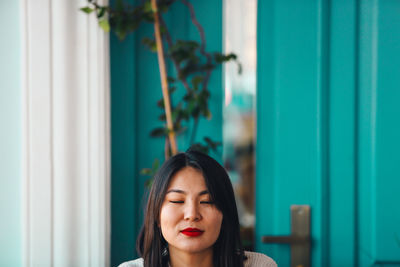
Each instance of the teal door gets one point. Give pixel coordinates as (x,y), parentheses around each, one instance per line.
(328,128)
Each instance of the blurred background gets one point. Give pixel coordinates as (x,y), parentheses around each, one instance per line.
(313,119)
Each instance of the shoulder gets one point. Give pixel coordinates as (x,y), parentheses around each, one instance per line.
(134,263)
(258,259)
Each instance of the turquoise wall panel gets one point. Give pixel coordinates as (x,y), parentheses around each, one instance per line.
(124,186)
(10,136)
(148,88)
(209,14)
(135,90)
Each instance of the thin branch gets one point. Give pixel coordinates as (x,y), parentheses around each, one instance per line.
(166,149)
(203,40)
(198,26)
(170,44)
(194,130)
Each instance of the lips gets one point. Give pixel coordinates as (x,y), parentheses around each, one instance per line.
(192,232)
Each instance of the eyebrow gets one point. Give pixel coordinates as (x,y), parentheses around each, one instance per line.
(205,192)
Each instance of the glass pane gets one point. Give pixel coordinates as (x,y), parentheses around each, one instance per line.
(239,108)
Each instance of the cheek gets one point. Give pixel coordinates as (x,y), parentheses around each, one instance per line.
(216,221)
(168,216)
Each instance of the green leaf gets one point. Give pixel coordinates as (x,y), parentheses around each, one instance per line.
(162,117)
(146,171)
(120,5)
(199,147)
(196,80)
(191,106)
(87,9)
(163,29)
(208,140)
(160,103)
(221,58)
(103,23)
(189,96)
(149,182)
(180,130)
(159,132)
(171,90)
(150,43)
(204,95)
(156,164)
(100,12)
(213,145)
(164,5)
(147,7)
(207,114)
(121,35)
(184,51)
(239,68)
(171,79)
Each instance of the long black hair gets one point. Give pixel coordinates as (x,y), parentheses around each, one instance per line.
(228,250)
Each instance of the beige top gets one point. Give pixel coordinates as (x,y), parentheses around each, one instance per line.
(254,259)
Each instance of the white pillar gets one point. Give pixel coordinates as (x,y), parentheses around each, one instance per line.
(66,136)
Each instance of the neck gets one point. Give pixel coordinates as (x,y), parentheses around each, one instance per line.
(183,259)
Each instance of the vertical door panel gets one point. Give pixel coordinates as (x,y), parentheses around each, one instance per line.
(388,133)
(379,132)
(289,168)
(328,127)
(342,120)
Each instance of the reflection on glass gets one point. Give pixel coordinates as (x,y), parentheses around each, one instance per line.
(239,108)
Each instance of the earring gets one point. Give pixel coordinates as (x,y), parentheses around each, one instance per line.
(165,252)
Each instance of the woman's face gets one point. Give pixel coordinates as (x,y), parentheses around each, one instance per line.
(189,221)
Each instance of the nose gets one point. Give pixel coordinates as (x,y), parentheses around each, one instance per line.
(192,212)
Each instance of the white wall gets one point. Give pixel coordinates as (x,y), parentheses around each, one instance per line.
(10,135)
(83,77)
(65,70)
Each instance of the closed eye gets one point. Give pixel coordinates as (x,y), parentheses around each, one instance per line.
(176,202)
(206,202)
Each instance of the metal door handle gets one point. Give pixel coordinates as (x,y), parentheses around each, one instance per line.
(299,240)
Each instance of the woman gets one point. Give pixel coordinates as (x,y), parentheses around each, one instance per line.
(191,218)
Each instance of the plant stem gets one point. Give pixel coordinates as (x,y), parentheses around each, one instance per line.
(164,81)
(203,40)
(194,130)
(170,44)
(166,149)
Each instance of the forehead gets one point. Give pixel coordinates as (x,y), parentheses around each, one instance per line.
(188,178)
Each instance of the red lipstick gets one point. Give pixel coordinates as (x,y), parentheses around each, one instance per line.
(192,232)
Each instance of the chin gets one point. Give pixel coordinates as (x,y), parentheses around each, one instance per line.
(193,247)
